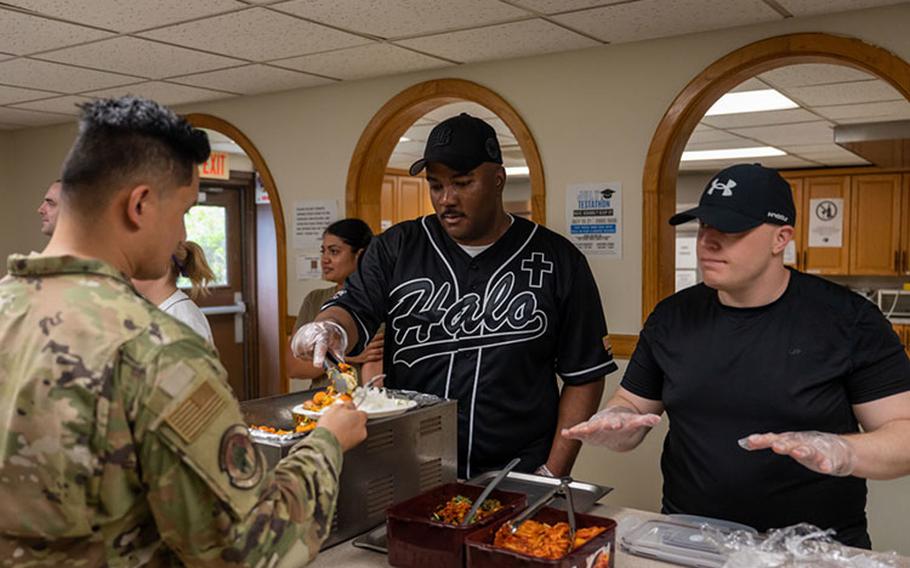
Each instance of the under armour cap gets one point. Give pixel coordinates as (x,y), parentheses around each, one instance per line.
(462,143)
(742,197)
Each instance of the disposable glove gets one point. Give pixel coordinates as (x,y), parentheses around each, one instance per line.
(819,451)
(616,427)
(313,339)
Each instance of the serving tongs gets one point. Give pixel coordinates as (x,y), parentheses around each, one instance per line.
(340,379)
(561,490)
(487,490)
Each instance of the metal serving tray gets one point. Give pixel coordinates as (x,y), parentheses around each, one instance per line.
(584,495)
(402,456)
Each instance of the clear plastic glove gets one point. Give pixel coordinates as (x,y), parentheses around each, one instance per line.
(616,427)
(313,339)
(819,451)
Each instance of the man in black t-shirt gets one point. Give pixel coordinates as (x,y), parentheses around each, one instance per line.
(760,348)
(479,306)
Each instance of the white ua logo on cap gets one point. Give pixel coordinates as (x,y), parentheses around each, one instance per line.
(727,187)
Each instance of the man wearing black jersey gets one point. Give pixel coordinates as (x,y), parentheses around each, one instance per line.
(760,357)
(479,306)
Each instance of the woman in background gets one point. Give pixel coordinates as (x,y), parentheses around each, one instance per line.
(343,242)
(188,261)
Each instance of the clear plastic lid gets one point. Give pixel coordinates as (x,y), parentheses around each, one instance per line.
(680,540)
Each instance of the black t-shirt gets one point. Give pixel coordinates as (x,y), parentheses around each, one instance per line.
(796,364)
(491,331)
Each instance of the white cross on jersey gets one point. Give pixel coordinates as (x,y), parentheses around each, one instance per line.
(537,266)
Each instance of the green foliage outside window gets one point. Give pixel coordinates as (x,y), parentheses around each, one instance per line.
(206,225)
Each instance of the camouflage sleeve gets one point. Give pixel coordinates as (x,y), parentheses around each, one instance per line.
(213,500)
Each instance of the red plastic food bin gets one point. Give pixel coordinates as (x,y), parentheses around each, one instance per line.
(416,541)
(593,554)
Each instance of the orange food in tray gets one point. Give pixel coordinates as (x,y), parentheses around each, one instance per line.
(299,429)
(542,540)
(324,399)
(455,509)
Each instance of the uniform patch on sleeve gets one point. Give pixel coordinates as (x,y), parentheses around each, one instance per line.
(197,411)
(239,459)
(608,347)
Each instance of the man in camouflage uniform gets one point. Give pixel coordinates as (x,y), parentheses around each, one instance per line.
(121,443)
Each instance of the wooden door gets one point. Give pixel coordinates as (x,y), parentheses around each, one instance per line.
(824,198)
(410,198)
(796,186)
(905,225)
(232,291)
(387,202)
(875,230)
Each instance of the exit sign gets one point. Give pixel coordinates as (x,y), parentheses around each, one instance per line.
(216,167)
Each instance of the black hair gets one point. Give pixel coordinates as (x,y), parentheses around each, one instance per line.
(354,232)
(129,140)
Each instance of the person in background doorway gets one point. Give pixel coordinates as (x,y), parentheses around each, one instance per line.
(343,243)
(785,391)
(187,261)
(49,208)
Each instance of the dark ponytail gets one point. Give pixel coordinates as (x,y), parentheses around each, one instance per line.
(353,232)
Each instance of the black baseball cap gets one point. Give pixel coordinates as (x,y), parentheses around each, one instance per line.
(462,143)
(742,197)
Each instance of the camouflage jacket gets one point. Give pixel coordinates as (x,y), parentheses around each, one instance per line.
(121,443)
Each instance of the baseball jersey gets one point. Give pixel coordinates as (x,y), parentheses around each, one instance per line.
(492,331)
(121,443)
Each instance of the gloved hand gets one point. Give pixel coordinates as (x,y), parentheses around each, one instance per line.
(313,339)
(616,427)
(819,451)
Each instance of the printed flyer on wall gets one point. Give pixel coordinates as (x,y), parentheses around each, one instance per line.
(594,218)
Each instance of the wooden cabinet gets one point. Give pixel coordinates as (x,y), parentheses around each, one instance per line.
(875,237)
(826,192)
(403,198)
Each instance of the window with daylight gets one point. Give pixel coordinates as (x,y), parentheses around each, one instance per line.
(206,225)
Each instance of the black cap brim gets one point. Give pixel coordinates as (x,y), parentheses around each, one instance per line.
(417,166)
(722,219)
(461,166)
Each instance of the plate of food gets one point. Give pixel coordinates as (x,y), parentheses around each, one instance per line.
(375,402)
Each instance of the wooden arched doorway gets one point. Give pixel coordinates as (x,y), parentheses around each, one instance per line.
(278,330)
(368,164)
(687,109)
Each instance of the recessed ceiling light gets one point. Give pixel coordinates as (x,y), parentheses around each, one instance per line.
(730,153)
(404,139)
(750,101)
(517,171)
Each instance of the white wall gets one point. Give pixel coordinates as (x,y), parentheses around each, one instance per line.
(592,112)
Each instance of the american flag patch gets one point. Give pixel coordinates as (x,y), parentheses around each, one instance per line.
(191,417)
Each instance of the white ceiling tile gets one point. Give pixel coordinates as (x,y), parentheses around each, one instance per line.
(127,16)
(770,117)
(813,74)
(819,152)
(419,132)
(648,19)
(10,95)
(506,140)
(732,142)
(752,84)
(502,130)
(61,105)
(863,111)
(22,34)
(702,127)
(454,109)
(164,93)
(253,79)
(30,118)
(363,61)
(558,6)
(501,42)
(790,134)
(809,7)
(140,57)
(400,18)
(882,118)
(424,121)
(782,162)
(257,34)
(56,77)
(705,165)
(413,148)
(845,93)
(703,136)
(401,161)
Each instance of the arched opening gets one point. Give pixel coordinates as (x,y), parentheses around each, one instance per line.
(382,134)
(270,293)
(678,123)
